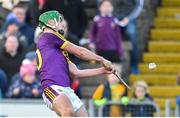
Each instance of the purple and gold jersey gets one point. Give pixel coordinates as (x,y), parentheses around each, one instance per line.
(52,61)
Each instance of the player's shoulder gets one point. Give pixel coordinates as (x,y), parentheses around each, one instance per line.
(46,35)
(59,36)
(53,35)
(96,18)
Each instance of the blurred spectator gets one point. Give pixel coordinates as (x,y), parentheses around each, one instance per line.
(31,56)
(5,7)
(73,11)
(24,28)
(105,34)
(140,91)
(26,86)
(127,11)
(13,54)
(140,95)
(3,83)
(11,27)
(34,8)
(111,90)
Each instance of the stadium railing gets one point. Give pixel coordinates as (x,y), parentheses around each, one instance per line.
(172,112)
(133,109)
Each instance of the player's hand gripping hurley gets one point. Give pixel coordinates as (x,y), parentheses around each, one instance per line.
(108,65)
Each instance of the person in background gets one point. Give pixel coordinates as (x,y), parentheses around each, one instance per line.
(24,28)
(127,12)
(74,13)
(31,56)
(26,86)
(11,27)
(105,35)
(13,54)
(111,90)
(140,95)
(140,91)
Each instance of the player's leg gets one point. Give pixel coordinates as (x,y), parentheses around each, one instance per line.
(81,112)
(66,102)
(62,106)
(78,107)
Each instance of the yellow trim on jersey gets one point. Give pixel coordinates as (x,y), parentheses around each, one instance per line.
(39,59)
(60,36)
(65,53)
(64,44)
(69,62)
(63,38)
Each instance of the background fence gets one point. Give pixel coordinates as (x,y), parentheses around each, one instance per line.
(146,109)
(32,108)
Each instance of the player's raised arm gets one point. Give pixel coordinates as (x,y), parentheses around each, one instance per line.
(86,54)
(82,53)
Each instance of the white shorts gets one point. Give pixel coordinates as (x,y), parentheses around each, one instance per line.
(51,92)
